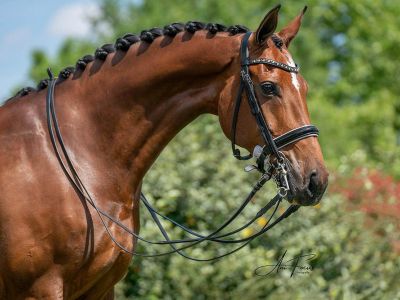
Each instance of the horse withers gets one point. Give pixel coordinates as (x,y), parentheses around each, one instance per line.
(117,111)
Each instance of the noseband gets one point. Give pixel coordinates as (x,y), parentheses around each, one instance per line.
(270,162)
(272,146)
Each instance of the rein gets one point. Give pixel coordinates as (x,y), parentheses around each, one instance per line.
(270,162)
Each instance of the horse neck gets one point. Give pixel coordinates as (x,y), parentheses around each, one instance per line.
(136,102)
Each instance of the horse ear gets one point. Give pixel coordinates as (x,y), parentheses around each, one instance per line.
(268,25)
(289,32)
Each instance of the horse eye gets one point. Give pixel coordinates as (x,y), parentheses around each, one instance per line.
(269,88)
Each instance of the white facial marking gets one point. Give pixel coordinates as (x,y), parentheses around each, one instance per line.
(291,63)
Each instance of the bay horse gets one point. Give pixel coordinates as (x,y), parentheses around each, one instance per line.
(117,111)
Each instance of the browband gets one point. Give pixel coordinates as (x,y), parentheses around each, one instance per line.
(277,64)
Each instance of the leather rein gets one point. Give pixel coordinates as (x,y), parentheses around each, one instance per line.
(270,162)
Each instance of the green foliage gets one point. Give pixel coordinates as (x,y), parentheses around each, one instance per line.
(348,53)
(353,262)
(41,62)
(348,128)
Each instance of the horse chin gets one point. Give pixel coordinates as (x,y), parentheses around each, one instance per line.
(301,201)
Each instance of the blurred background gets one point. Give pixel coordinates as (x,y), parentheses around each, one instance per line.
(348,53)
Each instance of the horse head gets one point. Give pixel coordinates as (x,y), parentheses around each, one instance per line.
(281,95)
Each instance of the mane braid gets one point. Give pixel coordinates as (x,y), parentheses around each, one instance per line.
(102,52)
(193,26)
(213,28)
(126,41)
(66,72)
(236,29)
(44,83)
(25,91)
(148,36)
(82,62)
(173,29)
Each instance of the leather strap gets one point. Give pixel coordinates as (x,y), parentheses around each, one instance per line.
(236,151)
(216,235)
(73,176)
(273,63)
(272,145)
(246,81)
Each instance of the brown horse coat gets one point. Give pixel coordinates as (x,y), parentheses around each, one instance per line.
(116,116)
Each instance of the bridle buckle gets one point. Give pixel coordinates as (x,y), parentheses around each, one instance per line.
(281,177)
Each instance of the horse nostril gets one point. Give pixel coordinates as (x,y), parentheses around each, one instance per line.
(313,184)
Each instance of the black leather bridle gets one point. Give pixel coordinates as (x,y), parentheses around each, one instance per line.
(265,155)
(268,168)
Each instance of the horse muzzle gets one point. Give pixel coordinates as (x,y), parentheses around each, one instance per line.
(311,191)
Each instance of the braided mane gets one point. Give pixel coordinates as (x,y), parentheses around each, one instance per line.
(124,43)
